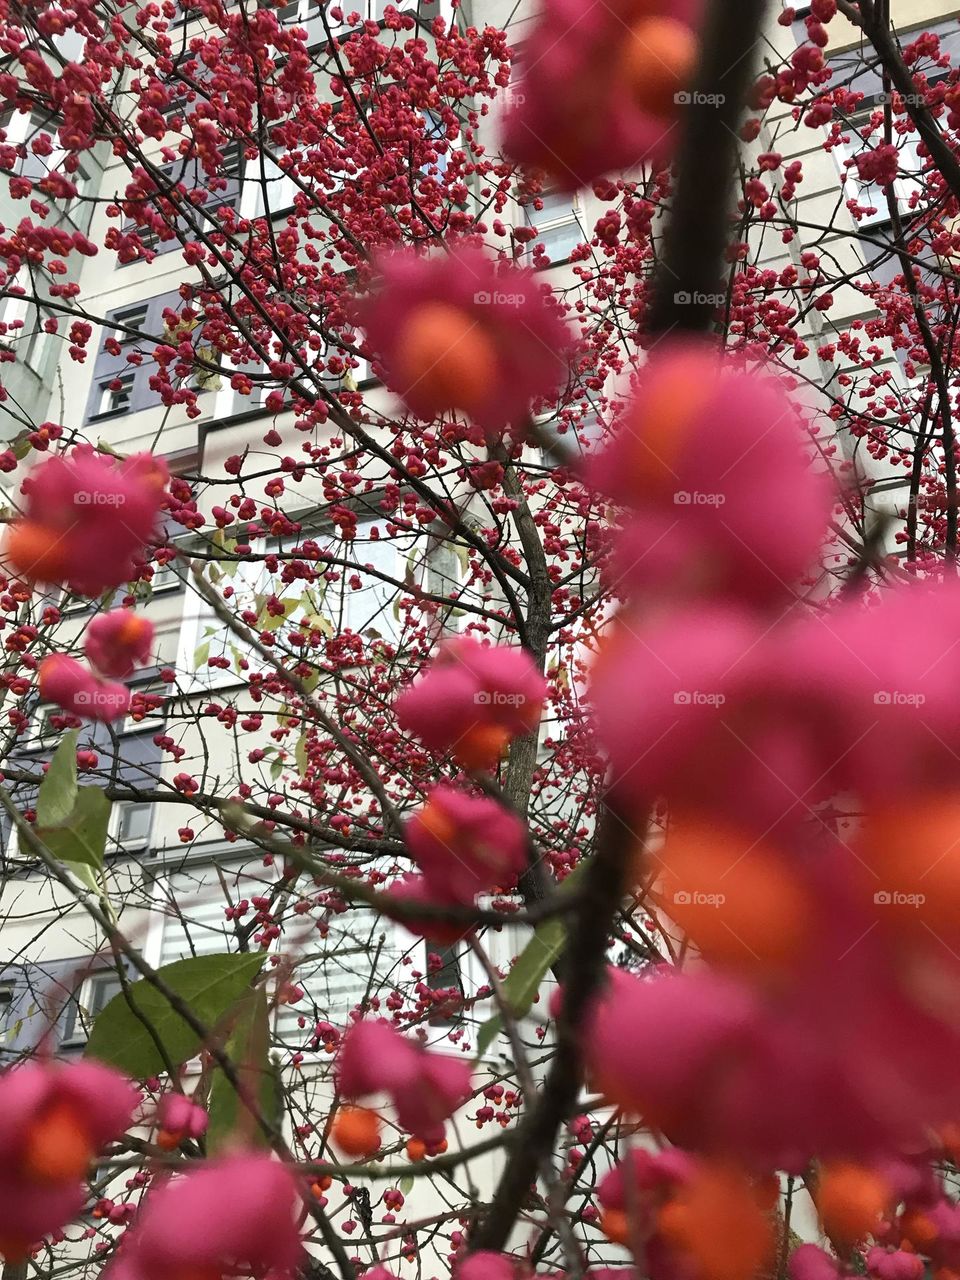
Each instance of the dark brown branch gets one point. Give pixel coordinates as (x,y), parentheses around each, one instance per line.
(584,963)
(691,265)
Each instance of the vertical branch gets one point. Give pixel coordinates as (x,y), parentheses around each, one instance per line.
(932,348)
(692,263)
(536,1134)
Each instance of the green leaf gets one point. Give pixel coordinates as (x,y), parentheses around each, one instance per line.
(530,968)
(523,981)
(406,1183)
(300,755)
(21,445)
(248,1048)
(200,655)
(82,838)
(487,1034)
(58,790)
(209,985)
(272,621)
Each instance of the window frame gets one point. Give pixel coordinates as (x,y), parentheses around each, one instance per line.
(109,367)
(198,616)
(115,829)
(80,1000)
(551,224)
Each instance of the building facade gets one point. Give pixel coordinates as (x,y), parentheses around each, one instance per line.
(180,882)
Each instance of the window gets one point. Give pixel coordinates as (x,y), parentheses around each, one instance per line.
(301,11)
(306,11)
(580,437)
(357,373)
(437,567)
(194,923)
(361,953)
(130,825)
(557,223)
(7,993)
(38,342)
(435,131)
(361,950)
(357,600)
(443,568)
(42,729)
(35,166)
(127,319)
(119,386)
(81,180)
(141,718)
(96,992)
(190,174)
(114,396)
(165,578)
(861,139)
(71,604)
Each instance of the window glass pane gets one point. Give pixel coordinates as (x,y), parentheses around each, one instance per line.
(129,318)
(38,342)
(443,569)
(133,825)
(357,600)
(6,1006)
(95,994)
(560,242)
(141,716)
(557,224)
(361,953)
(103,988)
(115,395)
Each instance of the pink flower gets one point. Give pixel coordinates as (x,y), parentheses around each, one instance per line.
(810,1262)
(472,700)
(459,331)
(575,125)
(425,1088)
(721,711)
(486,1265)
(179,1117)
(849,1056)
(889,1264)
(413,889)
(664,693)
(375,1058)
(697,1019)
(230,1213)
(117,642)
(53,1121)
(466,845)
(87,519)
(645,1174)
(878,688)
(706,459)
(71,686)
